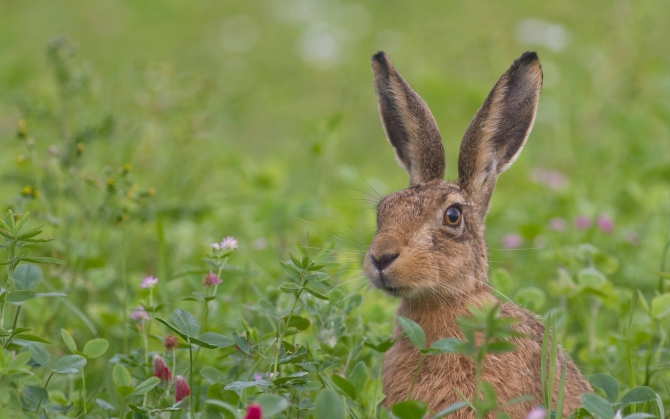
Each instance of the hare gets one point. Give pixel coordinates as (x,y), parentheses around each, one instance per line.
(430,250)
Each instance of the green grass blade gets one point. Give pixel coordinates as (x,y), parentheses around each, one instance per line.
(561,393)
(552,365)
(543,367)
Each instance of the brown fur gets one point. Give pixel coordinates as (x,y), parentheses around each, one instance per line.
(439,269)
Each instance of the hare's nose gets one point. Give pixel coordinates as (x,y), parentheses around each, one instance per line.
(384,261)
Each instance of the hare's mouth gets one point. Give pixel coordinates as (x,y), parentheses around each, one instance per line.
(393,290)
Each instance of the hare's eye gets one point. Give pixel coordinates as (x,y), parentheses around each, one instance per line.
(452,217)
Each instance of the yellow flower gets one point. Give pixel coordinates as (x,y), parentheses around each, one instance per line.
(128,167)
(36,193)
(80,146)
(21,158)
(27,190)
(110,181)
(152,191)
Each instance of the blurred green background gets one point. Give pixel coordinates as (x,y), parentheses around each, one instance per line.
(259,120)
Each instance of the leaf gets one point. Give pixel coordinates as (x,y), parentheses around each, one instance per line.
(212,375)
(27,276)
(272,404)
(44,260)
(660,306)
(41,356)
(296,261)
(345,385)
(317,277)
(70,364)
(299,323)
(50,294)
(146,386)
(121,376)
(532,298)
(289,288)
(125,390)
(241,343)
(382,346)
(194,341)
(450,409)
(640,394)
(500,347)
(316,294)
(413,331)
(267,307)
(409,409)
(328,405)
(597,406)
(185,322)
(19,296)
(216,339)
(104,405)
(239,385)
(591,278)
(359,376)
(95,348)
(225,407)
(445,346)
(639,416)
(606,383)
(69,342)
(32,338)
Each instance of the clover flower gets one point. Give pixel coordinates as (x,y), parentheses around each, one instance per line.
(161,369)
(181,389)
(606,224)
(582,222)
(170,342)
(211,279)
(512,241)
(254,412)
(229,243)
(149,282)
(140,315)
(558,224)
(537,413)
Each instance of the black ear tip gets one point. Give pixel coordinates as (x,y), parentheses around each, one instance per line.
(527,58)
(380,57)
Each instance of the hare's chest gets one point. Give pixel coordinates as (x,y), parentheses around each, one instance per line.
(436,381)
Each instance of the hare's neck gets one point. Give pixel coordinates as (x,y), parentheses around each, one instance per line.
(438,316)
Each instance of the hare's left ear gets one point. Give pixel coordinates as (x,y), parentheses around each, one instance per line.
(499,130)
(409,125)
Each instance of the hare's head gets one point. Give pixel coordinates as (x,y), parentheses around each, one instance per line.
(430,237)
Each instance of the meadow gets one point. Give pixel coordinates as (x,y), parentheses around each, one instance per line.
(188,190)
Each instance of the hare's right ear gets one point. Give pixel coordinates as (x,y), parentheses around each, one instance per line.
(409,125)
(499,130)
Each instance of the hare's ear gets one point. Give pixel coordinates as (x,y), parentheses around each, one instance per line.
(499,130)
(409,125)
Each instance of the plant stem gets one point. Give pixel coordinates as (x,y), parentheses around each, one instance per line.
(416,374)
(16,317)
(280,340)
(44,390)
(83,383)
(124,280)
(10,276)
(190,375)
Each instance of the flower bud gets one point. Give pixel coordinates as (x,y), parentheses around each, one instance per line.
(254,412)
(161,369)
(181,389)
